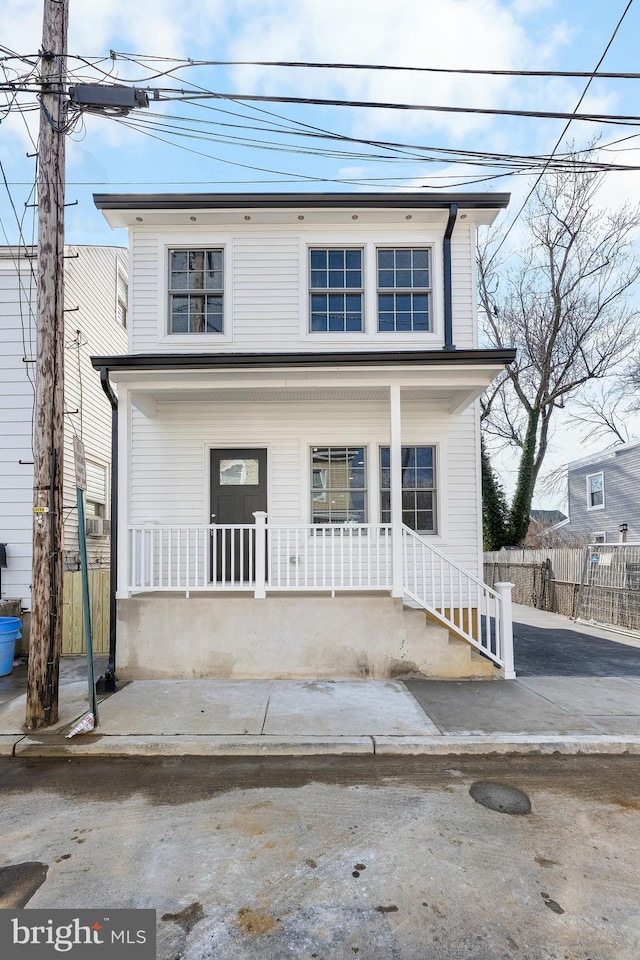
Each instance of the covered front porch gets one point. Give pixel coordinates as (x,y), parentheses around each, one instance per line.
(222,496)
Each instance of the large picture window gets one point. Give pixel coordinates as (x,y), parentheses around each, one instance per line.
(335,289)
(196,290)
(418,488)
(404,289)
(338,485)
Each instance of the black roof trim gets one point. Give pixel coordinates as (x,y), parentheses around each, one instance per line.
(229,201)
(206,361)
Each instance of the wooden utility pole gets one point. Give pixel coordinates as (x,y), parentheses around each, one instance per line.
(46,590)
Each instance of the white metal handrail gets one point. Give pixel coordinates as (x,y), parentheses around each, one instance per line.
(458,600)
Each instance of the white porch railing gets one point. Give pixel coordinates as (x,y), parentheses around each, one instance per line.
(458,600)
(262,558)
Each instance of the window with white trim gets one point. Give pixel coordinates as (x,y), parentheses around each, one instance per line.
(338,485)
(419,492)
(600,537)
(123,299)
(404,289)
(595,491)
(196,291)
(336,290)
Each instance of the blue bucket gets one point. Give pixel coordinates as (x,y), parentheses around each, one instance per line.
(10,631)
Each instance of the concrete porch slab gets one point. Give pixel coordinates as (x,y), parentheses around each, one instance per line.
(186,707)
(351,708)
(618,726)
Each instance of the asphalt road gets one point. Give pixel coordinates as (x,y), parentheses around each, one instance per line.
(556,652)
(326,859)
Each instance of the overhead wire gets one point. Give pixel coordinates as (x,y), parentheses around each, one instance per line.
(559,140)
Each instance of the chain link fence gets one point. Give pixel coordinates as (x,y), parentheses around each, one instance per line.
(598,583)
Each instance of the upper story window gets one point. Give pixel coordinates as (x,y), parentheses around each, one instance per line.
(595,491)
(336,290)
(196,291)
(404,289)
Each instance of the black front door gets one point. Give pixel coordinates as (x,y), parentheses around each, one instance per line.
(238,490)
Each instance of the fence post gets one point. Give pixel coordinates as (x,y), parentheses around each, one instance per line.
(259,590)
(506,628)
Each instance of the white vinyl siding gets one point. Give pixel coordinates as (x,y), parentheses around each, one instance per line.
(168,481)
(91,283)
(267,286)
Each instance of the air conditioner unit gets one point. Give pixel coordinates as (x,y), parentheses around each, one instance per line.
(95,527)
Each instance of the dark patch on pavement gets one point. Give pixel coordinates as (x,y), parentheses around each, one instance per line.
(552,652)
(173,781)
(501,798)
(552,904)
(19,882)
(256,923)
(543,862)
(186,918)
(390,909)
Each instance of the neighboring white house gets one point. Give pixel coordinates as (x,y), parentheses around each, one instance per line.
(299,470)
(95,321)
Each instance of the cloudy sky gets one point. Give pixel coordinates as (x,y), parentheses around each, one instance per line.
(231,144)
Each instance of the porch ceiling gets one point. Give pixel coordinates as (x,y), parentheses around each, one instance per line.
(261,395)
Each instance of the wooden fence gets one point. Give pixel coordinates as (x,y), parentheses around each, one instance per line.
(72,618)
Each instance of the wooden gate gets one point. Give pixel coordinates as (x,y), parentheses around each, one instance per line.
(72,620)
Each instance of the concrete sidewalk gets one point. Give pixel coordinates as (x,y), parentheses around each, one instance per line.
(533,714)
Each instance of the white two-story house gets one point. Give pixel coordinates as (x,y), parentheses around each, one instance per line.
(94,321)
(299,470)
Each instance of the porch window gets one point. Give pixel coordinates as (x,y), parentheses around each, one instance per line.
(595,491)
(335,289)
(338,485)
(404,289)
(196,291)
(418,488)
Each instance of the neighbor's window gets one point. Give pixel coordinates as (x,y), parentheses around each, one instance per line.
(595,491)
(418,488)
(96,495)
(196,290)
(123,299)
(335,290)
(338,485)
(404,289)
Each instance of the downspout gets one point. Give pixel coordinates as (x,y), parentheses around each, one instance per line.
(108,682)
(446,261)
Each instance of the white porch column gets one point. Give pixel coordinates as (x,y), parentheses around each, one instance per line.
(395,463)
(506,629)
(259,591)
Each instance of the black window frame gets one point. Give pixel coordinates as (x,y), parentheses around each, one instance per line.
(209,294)
(403,287)
(412,507)
(322,286)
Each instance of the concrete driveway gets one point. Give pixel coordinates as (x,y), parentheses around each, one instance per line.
(550,645)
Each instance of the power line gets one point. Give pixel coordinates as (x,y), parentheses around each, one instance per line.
(314,65)
(619,119)
(560,138)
